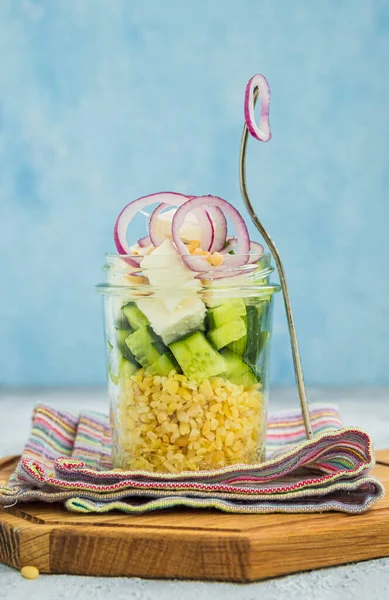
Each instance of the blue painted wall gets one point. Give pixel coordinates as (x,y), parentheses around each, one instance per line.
(102,101)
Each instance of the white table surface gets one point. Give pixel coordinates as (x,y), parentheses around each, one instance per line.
(369,580)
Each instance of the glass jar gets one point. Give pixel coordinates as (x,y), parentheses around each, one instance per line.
(187,364)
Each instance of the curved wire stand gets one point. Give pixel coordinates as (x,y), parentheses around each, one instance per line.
(284,286)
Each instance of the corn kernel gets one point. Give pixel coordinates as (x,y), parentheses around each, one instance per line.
(193,245)
(216,259)
(30,572)
(200,252)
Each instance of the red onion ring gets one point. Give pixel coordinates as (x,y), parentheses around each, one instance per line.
(203,218)
(257,250)
(197,263)
(231,244)
(144,242)
(225,273)
(129,212)
(261,131)
(219,227)
(156,237)
(206,226)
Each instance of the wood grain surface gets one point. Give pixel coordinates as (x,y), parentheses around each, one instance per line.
(189,544)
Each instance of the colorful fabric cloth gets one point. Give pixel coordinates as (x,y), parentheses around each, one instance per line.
(68,458)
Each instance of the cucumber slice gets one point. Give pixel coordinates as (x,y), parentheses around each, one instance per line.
(231,331)
(122,322)
(121,336)
(255,337)
(134,316)
(237,371)
(127,369)
(240,346)
(226,312)
(197,358)
(141,344)
(246,379)
(163,365)
(157,342)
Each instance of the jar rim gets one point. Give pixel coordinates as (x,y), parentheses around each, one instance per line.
(248,280)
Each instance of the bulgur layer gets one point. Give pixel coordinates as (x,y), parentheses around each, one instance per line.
(171,424)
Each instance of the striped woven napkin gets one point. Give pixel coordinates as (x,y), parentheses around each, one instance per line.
(68,458)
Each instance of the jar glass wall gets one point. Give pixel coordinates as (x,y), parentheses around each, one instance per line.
(188,367)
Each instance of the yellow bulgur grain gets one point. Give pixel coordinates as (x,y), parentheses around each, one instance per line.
(184,428)
(206,428)
(229,439)
(182,416)
(180,378)
(172,386)
(206,389)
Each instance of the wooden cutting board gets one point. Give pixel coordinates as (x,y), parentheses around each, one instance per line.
(190,544)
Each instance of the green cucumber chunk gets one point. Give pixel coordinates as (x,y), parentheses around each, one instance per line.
(141,345)
(134,316)
(127,369)
(256,338)
(237,371)
(197,358)
(121,336)
(230,332)
(122,322)
(226,312)
(240,346)
(157,342)
(163,365)
(246,379)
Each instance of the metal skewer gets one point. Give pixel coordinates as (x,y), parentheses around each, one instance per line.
(284,286)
